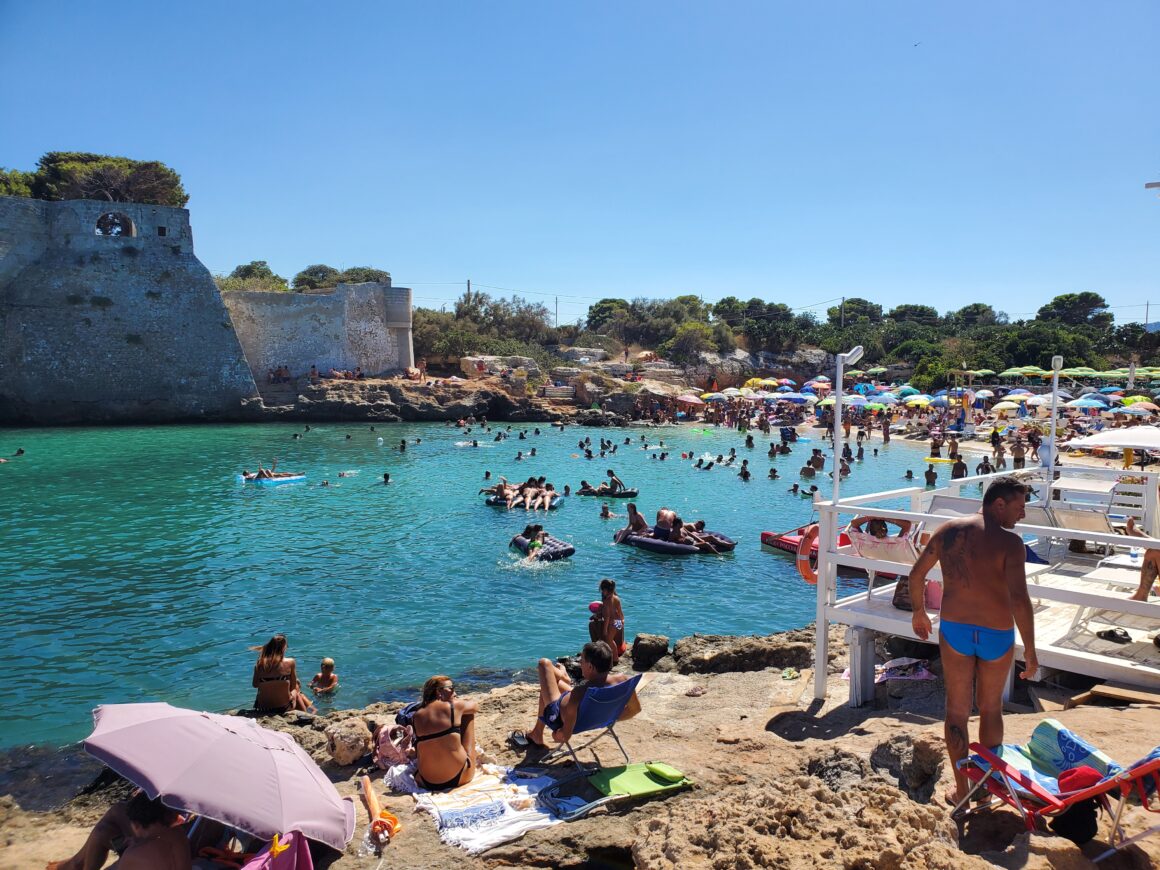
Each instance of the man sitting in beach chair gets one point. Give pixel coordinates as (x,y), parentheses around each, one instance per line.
(560,702)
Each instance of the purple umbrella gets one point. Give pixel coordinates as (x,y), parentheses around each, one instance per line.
(223,767)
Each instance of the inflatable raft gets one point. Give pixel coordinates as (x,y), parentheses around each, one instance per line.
(656,545)
(274,481)
(552,550)
(623,493)
(789,542)
(496,501)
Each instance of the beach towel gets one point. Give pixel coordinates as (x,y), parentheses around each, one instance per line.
(497,806)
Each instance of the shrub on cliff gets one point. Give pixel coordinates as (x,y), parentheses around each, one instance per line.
(256,275)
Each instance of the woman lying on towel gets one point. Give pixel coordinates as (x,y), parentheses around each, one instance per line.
(444,737)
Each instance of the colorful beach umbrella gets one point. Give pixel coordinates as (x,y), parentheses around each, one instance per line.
(877,370)
(984,394)
(690,400)
(1006,406)
(822,378)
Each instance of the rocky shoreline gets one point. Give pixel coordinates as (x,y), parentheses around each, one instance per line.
(781,780)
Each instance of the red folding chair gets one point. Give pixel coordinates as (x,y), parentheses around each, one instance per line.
(987,771)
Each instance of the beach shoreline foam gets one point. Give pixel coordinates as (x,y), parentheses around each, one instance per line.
(781,780)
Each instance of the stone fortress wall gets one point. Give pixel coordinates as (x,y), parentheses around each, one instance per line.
(127,326)
(117,321)
(351,325)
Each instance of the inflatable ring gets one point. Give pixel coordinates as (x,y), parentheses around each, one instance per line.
(804,566)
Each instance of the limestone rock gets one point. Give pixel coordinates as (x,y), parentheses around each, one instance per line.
(915,763)
(799,822)
(716,654)
(348,741)
(648,649)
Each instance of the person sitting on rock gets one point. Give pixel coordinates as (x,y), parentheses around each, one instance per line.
(145,833)
(446,750)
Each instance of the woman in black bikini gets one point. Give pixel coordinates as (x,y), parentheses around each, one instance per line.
(444,737)
(276,679)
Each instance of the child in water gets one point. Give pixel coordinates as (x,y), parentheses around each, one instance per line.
(326,680)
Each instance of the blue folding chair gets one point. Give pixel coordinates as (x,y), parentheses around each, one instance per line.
(599,709)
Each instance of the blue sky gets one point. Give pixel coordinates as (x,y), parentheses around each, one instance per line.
(900,151)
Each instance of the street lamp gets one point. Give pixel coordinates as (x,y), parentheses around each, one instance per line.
(1056,365)
(849,358)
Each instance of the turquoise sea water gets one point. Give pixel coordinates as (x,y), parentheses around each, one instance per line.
(137,567)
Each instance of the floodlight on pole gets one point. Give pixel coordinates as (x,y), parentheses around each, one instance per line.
(850,357)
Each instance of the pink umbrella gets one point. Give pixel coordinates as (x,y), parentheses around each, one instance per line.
(223,767)
(690,400)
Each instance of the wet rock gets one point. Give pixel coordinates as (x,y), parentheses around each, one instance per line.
(648,649)
(838,769)
(594,417)
(914,762)
(348,741)
(716,654)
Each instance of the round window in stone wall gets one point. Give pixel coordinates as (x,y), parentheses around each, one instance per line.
(115,223)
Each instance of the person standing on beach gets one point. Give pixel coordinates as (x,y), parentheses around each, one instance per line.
(984,598)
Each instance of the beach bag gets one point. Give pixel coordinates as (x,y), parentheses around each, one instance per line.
(393,745)
(901,598)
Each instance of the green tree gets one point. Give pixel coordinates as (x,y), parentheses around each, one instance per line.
(601,314)
(690,340)
(1078,309)
(253,276)
(362,274)
(13,182)
(314,277)
(80,175)
(975,314)
(855,309)
(914,313)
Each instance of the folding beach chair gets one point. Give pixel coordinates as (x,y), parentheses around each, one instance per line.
(1027,779)
(599,709)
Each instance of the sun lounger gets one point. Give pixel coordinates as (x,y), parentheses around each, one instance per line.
(1026,778)
(599,709)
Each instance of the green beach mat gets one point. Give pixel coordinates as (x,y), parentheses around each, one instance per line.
(638,780)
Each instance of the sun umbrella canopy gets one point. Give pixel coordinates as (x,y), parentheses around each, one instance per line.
(1006,406)
(1151,406)
(786,389)
(1136,437)
(690,400)
(984,394)
(939,402)
(1111,389)
(796,398)
(822,378)
(1134,411)
(826,402)
(223,767)
(1018,391)
(731,391)
(907,391)
(787,382)
(1085,402)
(715,397)
(984,372)
(877,370)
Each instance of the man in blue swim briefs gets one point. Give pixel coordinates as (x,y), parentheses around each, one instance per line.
(560,700)
(984,598)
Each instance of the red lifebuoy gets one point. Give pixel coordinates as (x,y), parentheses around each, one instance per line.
(805,546)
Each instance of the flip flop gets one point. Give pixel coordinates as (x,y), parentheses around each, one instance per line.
(1115,635)
(518,740)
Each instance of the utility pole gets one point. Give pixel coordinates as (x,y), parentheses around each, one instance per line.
(557,321)
(843,309)
(467,298)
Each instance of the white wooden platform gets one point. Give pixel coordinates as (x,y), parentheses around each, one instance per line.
(1075,597)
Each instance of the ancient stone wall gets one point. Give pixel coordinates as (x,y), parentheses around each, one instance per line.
(124,325)
(366,325)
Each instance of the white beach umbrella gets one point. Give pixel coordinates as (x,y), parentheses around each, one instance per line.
(1136,437)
